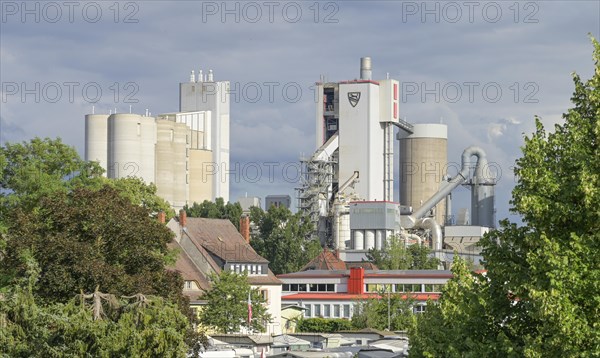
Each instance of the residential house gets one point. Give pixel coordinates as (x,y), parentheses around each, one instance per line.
(209,246)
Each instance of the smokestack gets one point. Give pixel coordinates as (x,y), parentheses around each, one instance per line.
(200,76)
(245,227)
(210,76)
(365,68)
(182,218)
(192,77)
(161,217)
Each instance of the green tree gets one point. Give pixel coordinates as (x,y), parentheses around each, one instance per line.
(140,193)
(226,309)
(87,238)
(323,325)
(31,170)
(373,312)
(281,238)
(397,256)
(216,210)
(540,297)
(134,327)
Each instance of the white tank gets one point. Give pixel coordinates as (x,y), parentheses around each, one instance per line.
(379,238)
(96,138)
(369,239)
(341,226)
(131,140)
(359,240)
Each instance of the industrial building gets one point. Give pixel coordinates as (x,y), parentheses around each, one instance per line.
(278,201)
(185,154)
(347,184)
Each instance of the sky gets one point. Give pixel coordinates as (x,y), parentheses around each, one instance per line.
(485,69)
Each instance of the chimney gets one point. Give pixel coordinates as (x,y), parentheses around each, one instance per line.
(182,218)
(162,217)
(245,227)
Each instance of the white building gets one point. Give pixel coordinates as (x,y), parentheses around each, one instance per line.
(213,245)
(334,293)
(354,154)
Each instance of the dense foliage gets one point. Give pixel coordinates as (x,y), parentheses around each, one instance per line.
(216,210)
(88,238)
(393,309)
(541,294)
(83,233)
(226,309)
(94,325)
(281,238)
(323,325)
(398,256)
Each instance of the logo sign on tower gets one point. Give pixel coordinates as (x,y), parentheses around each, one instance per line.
(353,98)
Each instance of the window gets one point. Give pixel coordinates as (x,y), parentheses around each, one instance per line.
(260,269)
(307,313)
(285,287)
(399,287)
(326,310)
(253,269)
(188,285)
(419,308)
(302,287)
(336,310)
(433,288)
(237,268)
(317,310)
(321,287)
(346,311)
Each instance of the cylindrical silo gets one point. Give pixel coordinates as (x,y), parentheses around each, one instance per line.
(131,141)
(341,226)
(171,139)
(423,165)
(359,239)
(96,139)
(369,239)
(379,238)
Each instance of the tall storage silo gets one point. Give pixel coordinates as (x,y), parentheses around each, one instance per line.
(96,138)
(423,165)
(131,141)
(171,172)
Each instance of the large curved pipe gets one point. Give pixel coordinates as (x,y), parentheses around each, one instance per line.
(454,182)
(436,231)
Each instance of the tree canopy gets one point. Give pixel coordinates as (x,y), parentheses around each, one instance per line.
(216,210)
(95,324)
(281,238)
(398,256)
(540,296)
(87,238)
(226,309)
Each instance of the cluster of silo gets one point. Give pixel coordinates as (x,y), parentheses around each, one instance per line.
(372,223)
(123,144)
(423,166)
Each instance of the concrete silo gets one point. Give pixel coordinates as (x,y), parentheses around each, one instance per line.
(96,139)
(423,165)
(131,141)
(171,167)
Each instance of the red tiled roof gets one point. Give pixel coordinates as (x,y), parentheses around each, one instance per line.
(326,260)
(221,238)
(186,268)
(350,296)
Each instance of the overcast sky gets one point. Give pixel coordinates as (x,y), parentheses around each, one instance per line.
(483,68)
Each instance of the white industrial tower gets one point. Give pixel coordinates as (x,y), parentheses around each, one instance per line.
(355,148)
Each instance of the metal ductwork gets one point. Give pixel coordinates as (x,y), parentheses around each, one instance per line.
(447,187)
